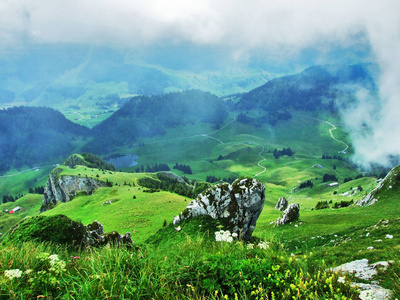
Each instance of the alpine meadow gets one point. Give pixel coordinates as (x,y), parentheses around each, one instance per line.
(200,150)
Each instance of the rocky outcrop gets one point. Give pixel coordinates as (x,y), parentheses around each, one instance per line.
(94,236)
(282,204)
(390,182)
(237,206)
(64,188)
(290,214)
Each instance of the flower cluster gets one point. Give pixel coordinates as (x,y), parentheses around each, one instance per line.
(262,245)
(11,274)
(57,265)
(225,236)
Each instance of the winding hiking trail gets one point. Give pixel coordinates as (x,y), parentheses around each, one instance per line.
(208,135)
(330,132)
(259,163)
(24,171)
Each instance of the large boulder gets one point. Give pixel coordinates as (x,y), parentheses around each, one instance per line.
(61,188)
(282,204)
(290,214)
(236,206)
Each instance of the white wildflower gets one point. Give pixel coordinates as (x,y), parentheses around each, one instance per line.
(29,271)
(11,274)
(263,245)
(53,259)
(225,236)
(250,246)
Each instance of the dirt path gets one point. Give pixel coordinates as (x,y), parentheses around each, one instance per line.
(330,132)
(208,135)
(259,163)
(24,171)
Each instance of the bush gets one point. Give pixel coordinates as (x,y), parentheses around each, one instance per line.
(343,204)
(322,205)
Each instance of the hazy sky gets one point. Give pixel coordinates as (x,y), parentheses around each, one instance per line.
(282,28)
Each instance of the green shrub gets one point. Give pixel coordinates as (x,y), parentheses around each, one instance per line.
(322,205)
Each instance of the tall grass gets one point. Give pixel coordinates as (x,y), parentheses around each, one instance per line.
(195,268)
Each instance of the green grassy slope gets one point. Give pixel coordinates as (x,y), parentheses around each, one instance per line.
(18,182)
(142,215)
(30,206)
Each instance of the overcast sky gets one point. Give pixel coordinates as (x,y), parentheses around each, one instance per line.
(239,24)
(280,27)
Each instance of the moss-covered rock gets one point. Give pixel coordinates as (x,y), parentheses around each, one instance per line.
(60,229)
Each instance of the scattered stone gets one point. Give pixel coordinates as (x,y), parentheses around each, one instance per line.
(236,206)
(178,228)
(370,248)
(282,204)
(361,268)
(373,292)
(389,236)
(290,214)
(367,235)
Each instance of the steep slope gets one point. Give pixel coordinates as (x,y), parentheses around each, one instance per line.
(31,136)
(387,188)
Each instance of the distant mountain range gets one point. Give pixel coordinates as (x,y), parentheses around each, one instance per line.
(30,136)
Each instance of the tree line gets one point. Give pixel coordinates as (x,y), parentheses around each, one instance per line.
(213,179)
(152,169)
(186,169)
(285,151)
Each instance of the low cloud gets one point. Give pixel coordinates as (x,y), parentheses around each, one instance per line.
(275,29)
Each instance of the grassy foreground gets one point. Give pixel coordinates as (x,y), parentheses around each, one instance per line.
(194,267)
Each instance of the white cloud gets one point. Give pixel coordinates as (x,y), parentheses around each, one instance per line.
(278,27)
(229,22)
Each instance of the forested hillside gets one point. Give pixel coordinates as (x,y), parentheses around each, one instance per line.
(317,87)
(31,136)
(151,116)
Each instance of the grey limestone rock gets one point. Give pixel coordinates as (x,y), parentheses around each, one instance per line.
(282,204)
(290,214)
(95,236)
(64,188)
(237,206)
(363,270)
